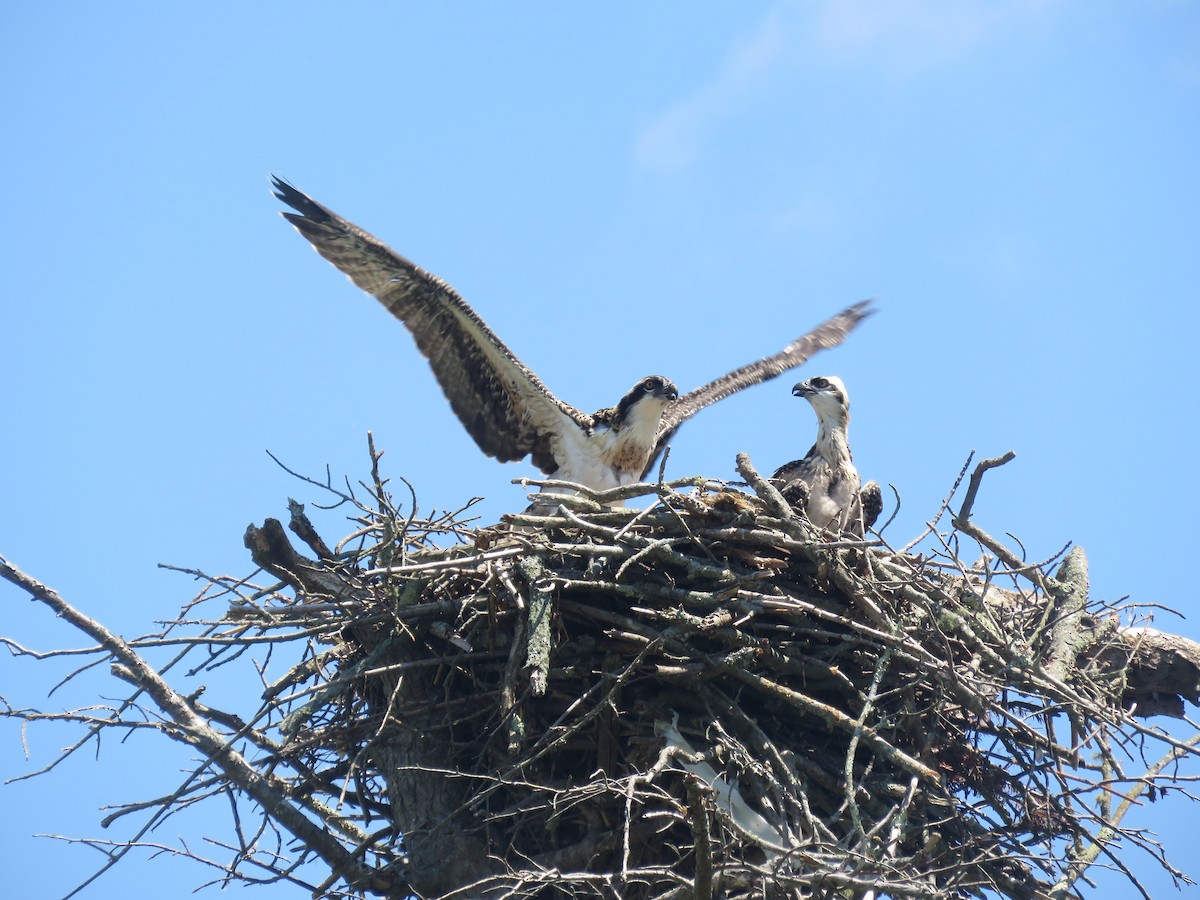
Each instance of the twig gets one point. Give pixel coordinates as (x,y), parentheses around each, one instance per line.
(968,503)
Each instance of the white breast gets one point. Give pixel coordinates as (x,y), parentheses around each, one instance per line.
(606,458)
(584,459)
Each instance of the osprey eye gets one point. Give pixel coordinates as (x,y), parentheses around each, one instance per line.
(820,383)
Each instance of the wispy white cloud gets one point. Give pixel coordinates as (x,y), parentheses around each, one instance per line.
(902,37)
(670,142)
(920,34)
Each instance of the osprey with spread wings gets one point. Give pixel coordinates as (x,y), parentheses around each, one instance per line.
(503,405)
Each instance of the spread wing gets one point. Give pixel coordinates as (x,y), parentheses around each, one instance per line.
(798,469)
(502,404)
(828,334)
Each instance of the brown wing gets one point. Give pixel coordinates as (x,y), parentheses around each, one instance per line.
(502,404)
(828,334)
(871,500)
(798,468)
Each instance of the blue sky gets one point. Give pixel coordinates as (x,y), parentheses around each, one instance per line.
(674,187)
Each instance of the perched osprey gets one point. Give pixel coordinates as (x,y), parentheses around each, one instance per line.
(503,405)
(825,484)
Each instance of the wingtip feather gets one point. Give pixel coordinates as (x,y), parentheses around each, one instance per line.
(306,206)
(862,309)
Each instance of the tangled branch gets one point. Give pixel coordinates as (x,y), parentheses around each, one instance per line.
(704,697)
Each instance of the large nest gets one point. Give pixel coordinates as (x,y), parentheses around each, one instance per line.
(703,698)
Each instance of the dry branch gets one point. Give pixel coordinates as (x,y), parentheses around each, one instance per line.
(702,698)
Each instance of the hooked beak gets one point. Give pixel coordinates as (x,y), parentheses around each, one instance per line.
(802,389)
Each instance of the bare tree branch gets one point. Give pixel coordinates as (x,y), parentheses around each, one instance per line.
(703,697)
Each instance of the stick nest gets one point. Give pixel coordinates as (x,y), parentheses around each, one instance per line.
(703,698)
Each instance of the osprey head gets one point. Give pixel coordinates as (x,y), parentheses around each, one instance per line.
(828,397)
(655,388)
